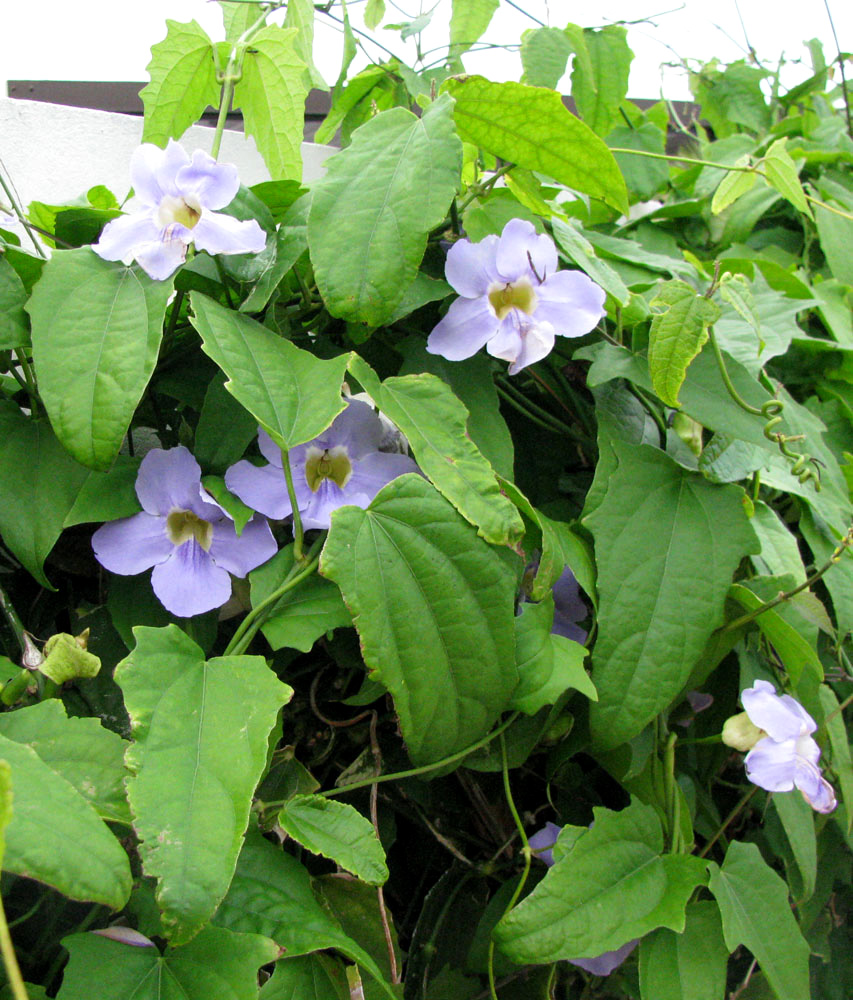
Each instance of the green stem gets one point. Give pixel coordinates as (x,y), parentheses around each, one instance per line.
(256,617)
(11,616)
(535,412)
(233,74)
(671,795)
(16,208)
(484,186)
(413,772)
(731,816)
(526,852)
(727,381)
(13,971)
(298,533)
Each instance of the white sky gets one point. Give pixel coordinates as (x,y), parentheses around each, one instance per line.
(110,40)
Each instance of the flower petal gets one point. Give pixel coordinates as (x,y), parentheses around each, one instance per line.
(570,302)
(328,498)
(212,184)
(218,233)
(468,326)
(269,449)
(240,555)
(822,798)
(537,342)
(189,582)
(161,257)
(470,267)
(146,165)
(375,471)
(812,784)
(132,544)
(520,245)
(543,841)
(263,488)
(775,716)
(604,964)
(357,428)
(121,238)
(771,765)
(168,479)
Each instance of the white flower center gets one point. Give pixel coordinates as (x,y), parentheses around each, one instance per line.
(185,211)
(506,296)
(327,463)
(184,526)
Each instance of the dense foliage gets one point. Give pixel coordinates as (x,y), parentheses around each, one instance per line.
(422,694)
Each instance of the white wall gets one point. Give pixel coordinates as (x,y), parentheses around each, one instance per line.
(53,153)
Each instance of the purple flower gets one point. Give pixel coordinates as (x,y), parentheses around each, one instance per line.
(786,756)
(569,607)
(341,466)
(179,198)
(601,965)
(513,299)
(184,534)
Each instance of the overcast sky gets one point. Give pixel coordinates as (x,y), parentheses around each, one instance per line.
(111,40)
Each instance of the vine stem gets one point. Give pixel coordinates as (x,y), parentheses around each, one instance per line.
(526,852)
(10,961)
(413,772)
(255,618)
(731,816)
(298,533)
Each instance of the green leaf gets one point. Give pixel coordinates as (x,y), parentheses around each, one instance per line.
(195,764)
(531,127)
(779,552)
(580,251)
(291,242)
(782,174)
(753,901)
(271,894)
(56,837)
(338,831)
(238,17)
(224,430)
(656,523)
(380,198)
(300,15)
(309,977)
(433,605)
(544,55)
(468,20)
(797,820)
(687,966)
(599,95)
(14,325)
(216,963)
(680,322)
(183,83)
(373,14)
(472,382)
(293,395)
(836,235)
(644,175)
(5,803)
(105,496)
(81,750)
(434,422)
(303,614)
(548,665)
(734,184)
(613,885)
(839,745)
(271,94)
(96,333)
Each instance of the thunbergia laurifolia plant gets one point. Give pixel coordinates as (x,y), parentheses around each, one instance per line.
(388,549)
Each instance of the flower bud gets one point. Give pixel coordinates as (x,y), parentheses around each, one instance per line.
(740,733)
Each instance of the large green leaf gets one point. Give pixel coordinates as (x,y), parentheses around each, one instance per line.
(307,977)
(303,614)
(224,428)
(680,321)
(14,328)
(656,524)
(544,55)
(183,82)
(435,424)
(797,818)
(195,764)
(753,901)
(89,757)
(433,605)
(468,20)
(271,894)
(96,332)
(300,15)
(613,885)
(379,199)
(56,837)
(293,395)
(271,94)
(548,665)
(530,126)
(5,804)
(598,95)
(215,964)
(580,251)
(687,966)
(338,831)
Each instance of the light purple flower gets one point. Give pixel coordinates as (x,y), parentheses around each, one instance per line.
(787,756)
(179,198)
(184,534)
(601,965)
(569,607)
(513,300)
(341,466)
